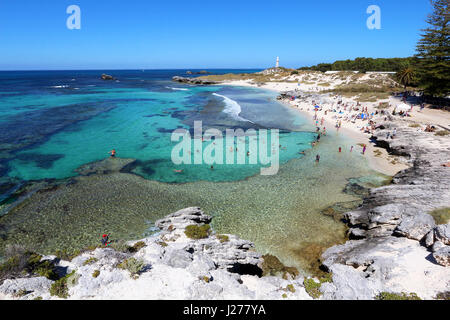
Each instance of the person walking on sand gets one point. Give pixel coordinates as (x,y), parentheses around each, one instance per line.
(351,148)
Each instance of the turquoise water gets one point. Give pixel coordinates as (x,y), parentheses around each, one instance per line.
(137,120)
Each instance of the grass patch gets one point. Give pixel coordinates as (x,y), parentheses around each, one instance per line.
(96,273)
(441,216)
(90,261)
(197,232)
(223,238)
(414,125)
(397,296)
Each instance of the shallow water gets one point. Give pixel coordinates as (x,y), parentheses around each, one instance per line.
(280,213)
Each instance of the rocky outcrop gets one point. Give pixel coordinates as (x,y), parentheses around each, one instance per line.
(393,229)
(195,81)
(107,77)
(170,266)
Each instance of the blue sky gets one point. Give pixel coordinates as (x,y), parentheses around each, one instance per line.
(137,34)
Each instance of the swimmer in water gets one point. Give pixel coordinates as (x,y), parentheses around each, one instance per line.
(178,171)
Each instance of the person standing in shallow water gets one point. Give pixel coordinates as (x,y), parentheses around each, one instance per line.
(364,149)
(317,158)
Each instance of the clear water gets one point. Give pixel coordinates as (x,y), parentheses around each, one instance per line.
(51,123)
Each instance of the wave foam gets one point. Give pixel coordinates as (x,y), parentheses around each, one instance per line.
(232,108)
(182,89)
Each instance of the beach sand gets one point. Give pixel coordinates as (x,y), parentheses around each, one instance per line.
(378,158)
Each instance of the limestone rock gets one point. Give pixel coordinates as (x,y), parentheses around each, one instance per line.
(415,226)
(442,233)
(442,256)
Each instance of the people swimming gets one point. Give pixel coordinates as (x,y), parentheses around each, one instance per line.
(113,153)
(178,170)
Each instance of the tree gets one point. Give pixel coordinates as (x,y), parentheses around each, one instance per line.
(406,76)
(433,51)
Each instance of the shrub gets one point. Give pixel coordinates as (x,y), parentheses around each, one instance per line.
(397,296)
(414,125)
(60,287)
(120,245)
(291,288)
(133,265)
(442,133)
(137,246)
(441,216)
(197,232)
(443,295)
(96,273)
(26,262)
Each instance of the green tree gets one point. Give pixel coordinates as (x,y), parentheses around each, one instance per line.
(433,51)
(406,76)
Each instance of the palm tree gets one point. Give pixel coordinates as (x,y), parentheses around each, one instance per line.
(406,76)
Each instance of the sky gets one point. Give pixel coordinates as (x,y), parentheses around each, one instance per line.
(198,34)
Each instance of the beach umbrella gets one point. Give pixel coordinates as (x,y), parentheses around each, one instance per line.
(403,107)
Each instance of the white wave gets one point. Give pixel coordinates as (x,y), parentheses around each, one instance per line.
(232,108)
(182,89)
(64,86)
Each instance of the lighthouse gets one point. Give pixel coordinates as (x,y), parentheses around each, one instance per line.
(277,65)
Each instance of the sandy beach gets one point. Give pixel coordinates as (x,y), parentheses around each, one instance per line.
(332,113)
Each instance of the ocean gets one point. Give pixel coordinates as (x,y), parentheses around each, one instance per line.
(54,122)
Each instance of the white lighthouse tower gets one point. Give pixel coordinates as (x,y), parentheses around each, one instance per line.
(277,65)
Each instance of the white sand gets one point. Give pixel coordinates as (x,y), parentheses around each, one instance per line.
(381,161)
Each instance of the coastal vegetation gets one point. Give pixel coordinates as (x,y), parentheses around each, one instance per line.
(397,296)
(60,288)
(441,216)
(20,261)
(312,286)
(133,265)
(362,64)
(428,70)
(197,232)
